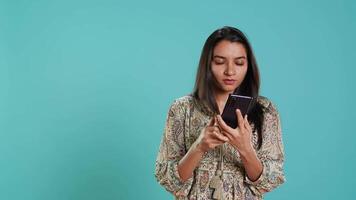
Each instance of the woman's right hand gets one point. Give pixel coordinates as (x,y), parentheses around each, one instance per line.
(210,137)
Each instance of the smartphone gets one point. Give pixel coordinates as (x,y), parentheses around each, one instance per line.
(235,102)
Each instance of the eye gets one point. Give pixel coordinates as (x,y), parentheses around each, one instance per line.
(240,62)
(219,61)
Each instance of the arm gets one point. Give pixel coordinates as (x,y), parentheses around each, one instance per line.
(252,164)
(209,138)
(271,154)
(174,166)
(240,138)
(171,150)
(189,162)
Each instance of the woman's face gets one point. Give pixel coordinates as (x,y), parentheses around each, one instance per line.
(229,65)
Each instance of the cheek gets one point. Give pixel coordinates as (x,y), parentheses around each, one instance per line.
(215,70)
(240,76)
(243,71)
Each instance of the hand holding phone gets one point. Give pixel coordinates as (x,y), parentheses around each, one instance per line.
(243,103)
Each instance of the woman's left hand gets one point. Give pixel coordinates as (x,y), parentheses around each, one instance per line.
(240,137)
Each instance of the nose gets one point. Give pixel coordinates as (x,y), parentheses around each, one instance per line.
(230,70)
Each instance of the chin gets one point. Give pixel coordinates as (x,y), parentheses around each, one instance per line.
(229,90)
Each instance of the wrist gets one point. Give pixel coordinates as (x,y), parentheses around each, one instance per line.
(247,152)
(198,147)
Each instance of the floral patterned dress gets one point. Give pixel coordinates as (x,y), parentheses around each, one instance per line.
(185,120)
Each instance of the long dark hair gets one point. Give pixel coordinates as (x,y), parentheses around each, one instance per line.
(204,84)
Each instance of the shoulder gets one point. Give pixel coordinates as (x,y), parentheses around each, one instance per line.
(180,104)
(267,104)
(183,100)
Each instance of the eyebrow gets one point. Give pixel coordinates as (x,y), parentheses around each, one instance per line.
(235,58)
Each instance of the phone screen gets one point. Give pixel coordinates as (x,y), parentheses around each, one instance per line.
(235,102)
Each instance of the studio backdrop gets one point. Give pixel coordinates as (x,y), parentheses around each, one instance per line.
(85,87)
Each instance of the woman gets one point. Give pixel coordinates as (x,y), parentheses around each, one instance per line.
(200,156)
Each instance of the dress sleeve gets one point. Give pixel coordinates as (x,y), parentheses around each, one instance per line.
(271,154)
(171,150)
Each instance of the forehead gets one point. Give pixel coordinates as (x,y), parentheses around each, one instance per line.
(229,49)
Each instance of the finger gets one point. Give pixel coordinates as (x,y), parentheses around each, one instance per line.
(223,125)
(240,119)
(229,136)
(216,128)
(247,124)
(220,136)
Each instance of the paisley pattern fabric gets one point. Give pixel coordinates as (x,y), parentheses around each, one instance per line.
(184,122)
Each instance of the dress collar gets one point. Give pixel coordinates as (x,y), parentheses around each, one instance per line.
(203,107)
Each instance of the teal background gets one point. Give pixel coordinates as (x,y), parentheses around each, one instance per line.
(85,88)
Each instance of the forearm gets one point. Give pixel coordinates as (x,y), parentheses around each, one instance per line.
(189,162)
(253,166)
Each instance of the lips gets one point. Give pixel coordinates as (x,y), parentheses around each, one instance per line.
(229,81)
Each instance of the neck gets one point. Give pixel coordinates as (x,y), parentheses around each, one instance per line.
(221,97)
